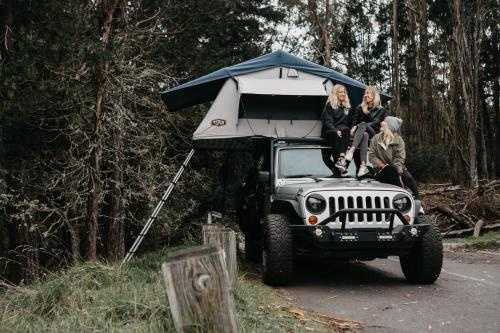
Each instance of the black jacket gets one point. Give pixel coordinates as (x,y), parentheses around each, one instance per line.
(374,117)
(335,119)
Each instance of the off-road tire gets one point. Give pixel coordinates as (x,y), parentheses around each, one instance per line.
(253,248)
(423,265)
(277,250)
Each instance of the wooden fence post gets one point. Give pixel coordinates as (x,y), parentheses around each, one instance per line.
(198,290)
(225,238)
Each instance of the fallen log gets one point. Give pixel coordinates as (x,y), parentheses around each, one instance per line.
(477,228)
(465,222)
(442,190)
(470,230)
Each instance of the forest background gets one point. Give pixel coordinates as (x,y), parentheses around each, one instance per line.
(87,146)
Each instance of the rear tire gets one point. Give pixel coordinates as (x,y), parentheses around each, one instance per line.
(424,264)
(277,251)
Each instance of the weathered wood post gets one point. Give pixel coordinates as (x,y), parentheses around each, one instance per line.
(198,290)
(225,238)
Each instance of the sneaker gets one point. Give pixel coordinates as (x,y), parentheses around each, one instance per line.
(363,170)
(341,164)
(349,155)
(344,174)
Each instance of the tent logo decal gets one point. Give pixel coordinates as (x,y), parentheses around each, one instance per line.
(218,122)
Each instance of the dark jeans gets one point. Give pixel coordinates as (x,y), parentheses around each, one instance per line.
(339,146)
(390,175)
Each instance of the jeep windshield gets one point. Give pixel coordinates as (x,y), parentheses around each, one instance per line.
(304,162)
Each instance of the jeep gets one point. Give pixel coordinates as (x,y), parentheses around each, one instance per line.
(292,204)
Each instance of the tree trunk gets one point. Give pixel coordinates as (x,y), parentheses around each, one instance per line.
(468,68)
(116,233)
(411,69)
(395,54)
(427,106)
(6,29)
(101,78)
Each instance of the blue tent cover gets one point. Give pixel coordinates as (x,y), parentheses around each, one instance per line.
(207,87)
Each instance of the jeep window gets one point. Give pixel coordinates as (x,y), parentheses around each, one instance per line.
(303,162)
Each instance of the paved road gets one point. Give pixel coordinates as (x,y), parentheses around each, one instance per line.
(466,297)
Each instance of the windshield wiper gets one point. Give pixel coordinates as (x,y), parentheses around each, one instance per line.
(304,176)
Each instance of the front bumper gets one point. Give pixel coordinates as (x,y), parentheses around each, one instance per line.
(376,241)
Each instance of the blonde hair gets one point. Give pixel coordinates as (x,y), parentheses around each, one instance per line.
(387,136)
(376,99)
(334,99)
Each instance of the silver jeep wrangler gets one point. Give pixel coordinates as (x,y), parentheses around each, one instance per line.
(292,204)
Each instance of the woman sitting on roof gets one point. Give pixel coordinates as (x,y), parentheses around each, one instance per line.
(387,154)
(336,127)
(366,121)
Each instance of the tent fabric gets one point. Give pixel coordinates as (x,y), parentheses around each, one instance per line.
(207,87)
(230,117)
(284,88)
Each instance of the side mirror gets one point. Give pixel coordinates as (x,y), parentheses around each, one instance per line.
(263,177)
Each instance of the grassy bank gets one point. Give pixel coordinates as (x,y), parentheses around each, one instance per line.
(489,240)
(97,297)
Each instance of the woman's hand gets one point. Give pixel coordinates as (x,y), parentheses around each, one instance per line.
(339,133)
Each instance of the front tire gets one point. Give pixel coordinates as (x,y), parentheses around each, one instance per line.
(277,251)
(424,264)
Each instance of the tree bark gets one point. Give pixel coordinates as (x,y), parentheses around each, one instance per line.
(395,54)
(107,10)
(427,136)
(116,233)
(467,47)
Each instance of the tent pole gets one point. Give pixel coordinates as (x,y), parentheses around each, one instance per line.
(153,216)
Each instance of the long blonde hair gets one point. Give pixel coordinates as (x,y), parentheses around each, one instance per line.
(387,136)
(376,99)
(334,99)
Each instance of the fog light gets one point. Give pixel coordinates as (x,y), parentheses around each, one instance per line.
(313,219)
(318,232)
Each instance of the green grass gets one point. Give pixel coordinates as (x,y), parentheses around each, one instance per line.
(100,297)
(489,240)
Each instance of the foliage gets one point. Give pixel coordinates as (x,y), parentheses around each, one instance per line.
(102,297)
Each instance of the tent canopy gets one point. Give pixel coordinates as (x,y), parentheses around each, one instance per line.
(206,88)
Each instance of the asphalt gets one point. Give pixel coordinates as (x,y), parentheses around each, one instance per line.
(465,298)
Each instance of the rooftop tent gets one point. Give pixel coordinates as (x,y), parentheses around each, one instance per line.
(275,95)
(207,87)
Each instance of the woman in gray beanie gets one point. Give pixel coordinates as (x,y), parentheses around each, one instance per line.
(387,154)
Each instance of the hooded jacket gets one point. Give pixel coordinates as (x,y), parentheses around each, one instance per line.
(392,154)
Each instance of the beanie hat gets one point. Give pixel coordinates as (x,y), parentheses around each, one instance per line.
(394,123)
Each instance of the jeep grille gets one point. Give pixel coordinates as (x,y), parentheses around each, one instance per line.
(337,203)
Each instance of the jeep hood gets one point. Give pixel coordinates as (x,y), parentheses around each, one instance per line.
(335,184)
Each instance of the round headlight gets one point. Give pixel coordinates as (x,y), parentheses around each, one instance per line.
(401,202)
(316,204)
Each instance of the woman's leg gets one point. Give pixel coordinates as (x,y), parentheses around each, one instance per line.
(363,147)
(326,154)
(358,135)
(409,181)
(389,175)
(344,141)
(371,132)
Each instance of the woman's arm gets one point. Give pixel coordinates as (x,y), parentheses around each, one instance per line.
(378,117)
(328,121)
(372,154)
(399,154)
